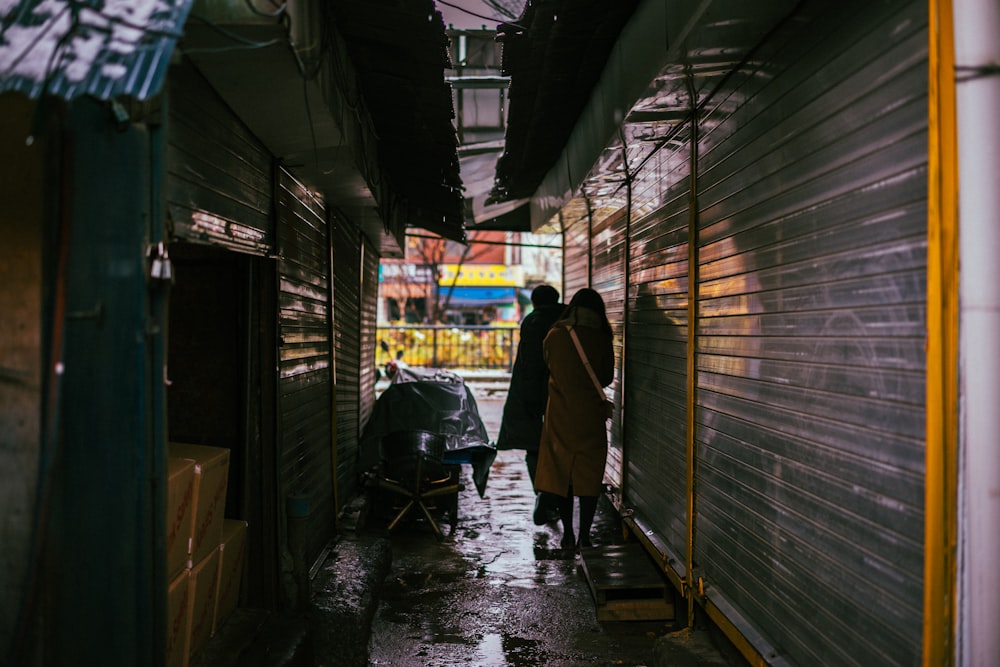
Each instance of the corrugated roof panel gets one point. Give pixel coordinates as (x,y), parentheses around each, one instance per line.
(104,49)
(400,51)
(554,55)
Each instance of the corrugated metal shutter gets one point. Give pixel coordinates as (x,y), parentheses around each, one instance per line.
(609,280)
(304,375)
(369,320)
(219,185)
(576,249)
(656,360)
(810,435)
(810,338)
(347,304)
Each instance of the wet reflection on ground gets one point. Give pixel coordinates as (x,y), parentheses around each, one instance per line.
(499,591)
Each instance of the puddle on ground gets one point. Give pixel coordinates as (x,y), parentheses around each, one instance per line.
(499,592)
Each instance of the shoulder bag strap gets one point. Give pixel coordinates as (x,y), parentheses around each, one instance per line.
(586,363)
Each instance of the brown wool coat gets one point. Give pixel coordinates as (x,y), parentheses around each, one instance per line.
(574,445)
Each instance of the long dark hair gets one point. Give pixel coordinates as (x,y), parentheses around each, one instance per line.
(591,300)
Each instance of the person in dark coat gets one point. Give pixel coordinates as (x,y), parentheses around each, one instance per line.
(574,447)
(521,424)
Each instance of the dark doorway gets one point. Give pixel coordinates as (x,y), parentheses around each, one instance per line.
(220,370)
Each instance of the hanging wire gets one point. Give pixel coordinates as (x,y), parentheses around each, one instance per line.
(278,9)
(38,38)
(502,8)
(78,8)
(242,42)
(479,16)
(57,52)
(14,18)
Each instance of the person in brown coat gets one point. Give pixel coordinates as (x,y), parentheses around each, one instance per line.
(574,445)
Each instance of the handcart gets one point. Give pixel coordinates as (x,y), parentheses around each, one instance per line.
(425,426)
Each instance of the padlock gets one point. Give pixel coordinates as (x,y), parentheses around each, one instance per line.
(161,268)
(156,270)
(167,267)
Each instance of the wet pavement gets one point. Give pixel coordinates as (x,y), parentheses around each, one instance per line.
(499,590)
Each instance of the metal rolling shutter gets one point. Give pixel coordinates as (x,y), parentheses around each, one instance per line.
(219,183)
(656,359)
(369,321)
(576,248)
(609,280)
(304,357)
(347,301)
(811,337)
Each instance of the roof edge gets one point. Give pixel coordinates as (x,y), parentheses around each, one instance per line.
(644,45)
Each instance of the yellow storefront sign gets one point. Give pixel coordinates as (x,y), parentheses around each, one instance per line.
(480,275)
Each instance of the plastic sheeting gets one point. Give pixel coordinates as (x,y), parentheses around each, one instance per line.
(436,401)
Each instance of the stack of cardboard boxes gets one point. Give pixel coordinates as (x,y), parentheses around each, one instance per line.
(205,551)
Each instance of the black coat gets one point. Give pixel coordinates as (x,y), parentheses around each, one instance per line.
(521,426)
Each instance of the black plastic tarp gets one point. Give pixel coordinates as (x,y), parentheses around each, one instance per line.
(437,401)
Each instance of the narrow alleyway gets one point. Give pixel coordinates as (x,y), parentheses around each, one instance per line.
(500,591)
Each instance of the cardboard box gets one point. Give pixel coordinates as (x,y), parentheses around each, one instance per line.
(232,554)
(180,502)
(202,585)
(178,628)
(211,475)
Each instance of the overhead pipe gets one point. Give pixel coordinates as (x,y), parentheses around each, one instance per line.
(692,347)
(626,312)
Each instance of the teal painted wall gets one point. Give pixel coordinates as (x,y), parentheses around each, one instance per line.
(104,584)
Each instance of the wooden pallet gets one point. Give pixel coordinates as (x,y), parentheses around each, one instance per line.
(626,584)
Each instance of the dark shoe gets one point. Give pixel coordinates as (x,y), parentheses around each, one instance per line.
(568,541)
(544,512)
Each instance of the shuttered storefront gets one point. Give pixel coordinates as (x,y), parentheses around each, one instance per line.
(608,252)
(576,250)
(347,319)
(369,322)
(219,184)
(304,357)
(656,360)
(219,191)
(810,338)
(813,278)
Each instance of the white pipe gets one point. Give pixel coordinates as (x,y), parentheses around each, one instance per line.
(977,45)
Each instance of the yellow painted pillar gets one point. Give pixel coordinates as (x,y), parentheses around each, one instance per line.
(942,344)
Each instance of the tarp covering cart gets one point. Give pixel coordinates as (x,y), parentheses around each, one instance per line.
(423,428)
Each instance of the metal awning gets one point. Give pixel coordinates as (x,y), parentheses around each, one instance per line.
(400,51)
(631,69)
(350,96)
(479,165)
(554,54)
